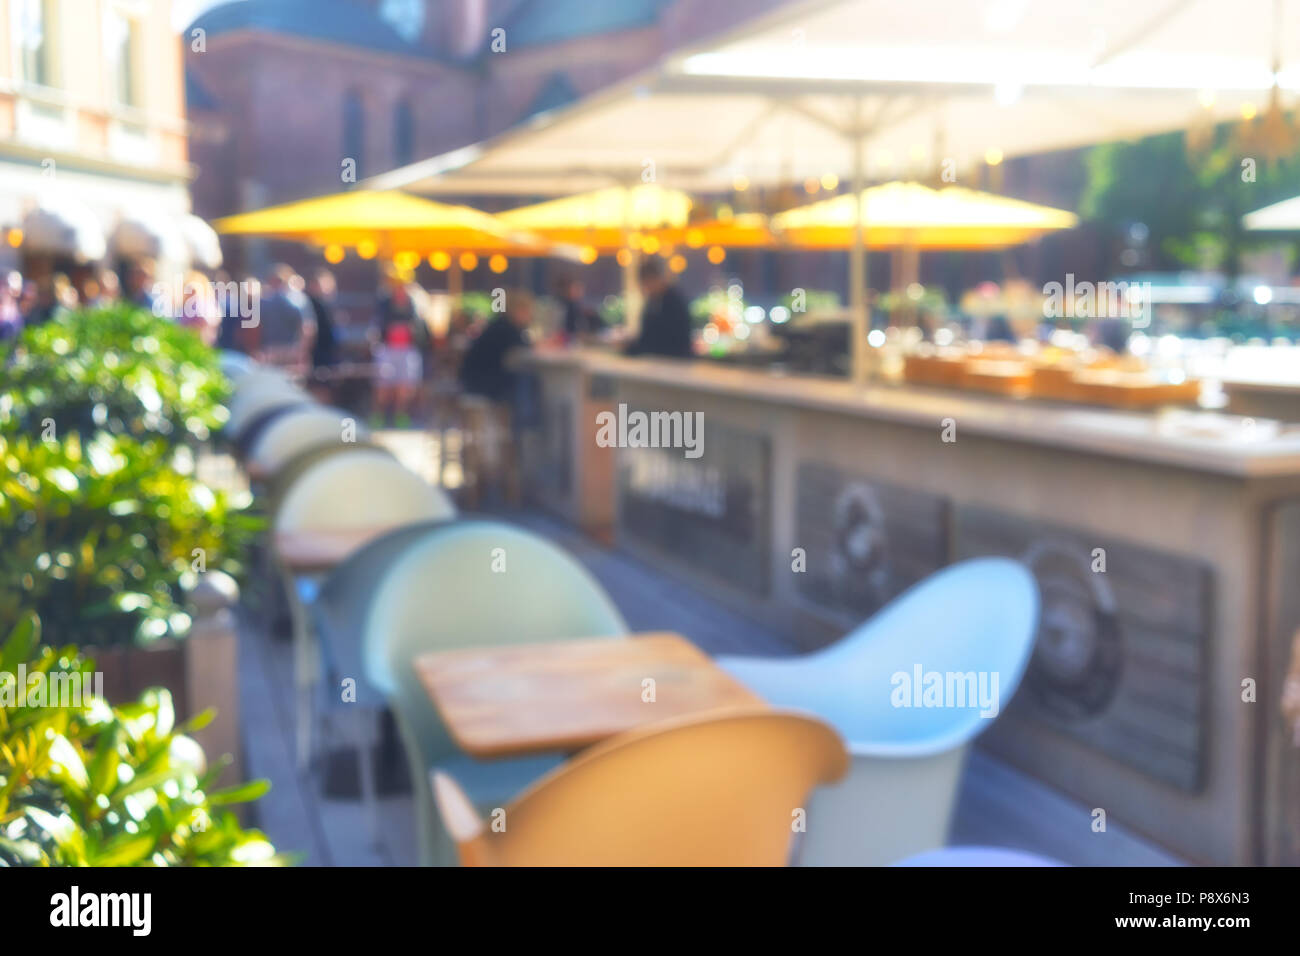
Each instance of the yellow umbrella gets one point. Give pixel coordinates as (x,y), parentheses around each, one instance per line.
(744,230)
(389,223)
(912,215)
(604,218)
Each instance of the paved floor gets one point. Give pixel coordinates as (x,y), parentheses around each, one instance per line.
(997,805)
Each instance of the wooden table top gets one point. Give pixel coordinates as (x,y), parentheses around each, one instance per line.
(321,549)
(566,695)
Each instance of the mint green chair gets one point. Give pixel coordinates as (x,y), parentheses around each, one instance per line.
(235,365)
(364,489)
(338,613)
(299,430)
(442,593)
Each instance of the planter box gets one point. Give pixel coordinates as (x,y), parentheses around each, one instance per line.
(201,672)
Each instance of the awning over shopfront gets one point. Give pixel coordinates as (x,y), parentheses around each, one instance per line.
(203,243)
(60,225)
(81,215)
(147,235)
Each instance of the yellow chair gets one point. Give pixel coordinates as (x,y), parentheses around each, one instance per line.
(721,790)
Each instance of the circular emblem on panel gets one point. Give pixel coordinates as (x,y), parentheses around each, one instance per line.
(860,557)
(1078,656)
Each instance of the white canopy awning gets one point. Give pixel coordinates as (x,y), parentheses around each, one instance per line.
(58,224)
(1283,216)
(785,97)
(874,89)
(141,234)
(201,242)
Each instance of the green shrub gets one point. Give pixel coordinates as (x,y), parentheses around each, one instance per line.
(118,369)
(102,537)
(94,785)
(477,305)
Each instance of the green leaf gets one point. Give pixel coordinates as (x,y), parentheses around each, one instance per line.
(18,646)
(124,851)
(253,790)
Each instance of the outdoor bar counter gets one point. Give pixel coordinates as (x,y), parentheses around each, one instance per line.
(1166,547)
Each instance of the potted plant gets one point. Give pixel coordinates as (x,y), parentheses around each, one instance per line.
(83,783)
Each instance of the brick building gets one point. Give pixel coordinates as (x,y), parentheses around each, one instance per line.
(294,87)
(92,119)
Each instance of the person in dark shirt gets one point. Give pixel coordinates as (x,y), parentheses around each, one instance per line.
(321,290)
(665,319)
(45,304)
(580,322)
(483,371)
(490,458)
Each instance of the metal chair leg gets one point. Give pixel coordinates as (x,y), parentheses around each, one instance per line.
(366,770)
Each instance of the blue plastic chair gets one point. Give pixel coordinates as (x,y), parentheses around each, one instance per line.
(444,592)
(235,365)
(977,856)
(975,618)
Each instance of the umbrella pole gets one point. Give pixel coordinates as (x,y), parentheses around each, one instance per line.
(631,290)
(858,262)
(454,281)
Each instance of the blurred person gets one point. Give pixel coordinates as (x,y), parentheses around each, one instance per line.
(198,309)
(86,284)
(231,335)
(1111,333)
(110,288)
(400,367)
(322,291)
(448,354)
(580,321)
(284,331)
(491,387)
(998,329)
(11,316)
(665,318)
(66,292)
(48,301)
(484,371)
(140,283)
(88,289)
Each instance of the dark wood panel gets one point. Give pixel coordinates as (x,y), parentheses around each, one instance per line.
(1121,654)
(554,474)
(712,513)
(865,541)
(1279,822)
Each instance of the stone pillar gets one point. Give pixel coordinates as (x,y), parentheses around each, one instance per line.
(212,670)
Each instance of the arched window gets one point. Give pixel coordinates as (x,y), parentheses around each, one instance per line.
(403,133)
(354,127)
